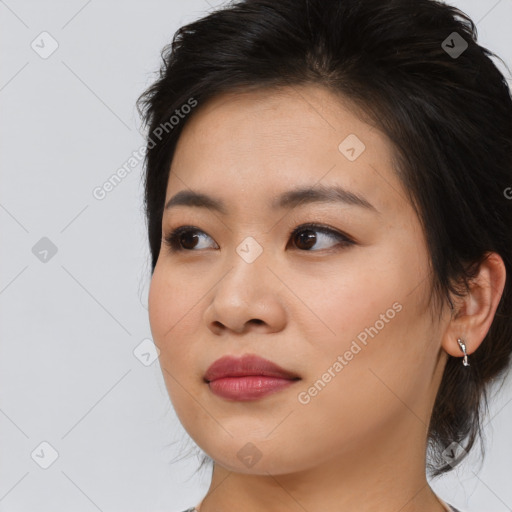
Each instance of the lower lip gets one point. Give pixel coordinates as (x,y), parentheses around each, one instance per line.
(251,387)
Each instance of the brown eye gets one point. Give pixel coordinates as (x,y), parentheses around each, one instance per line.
(188,239)
(305,237)
(184,238)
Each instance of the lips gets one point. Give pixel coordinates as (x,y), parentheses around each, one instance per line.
(246,365)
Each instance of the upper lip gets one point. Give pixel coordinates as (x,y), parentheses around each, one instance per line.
(248,364)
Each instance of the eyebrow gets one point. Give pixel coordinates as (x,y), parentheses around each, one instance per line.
(290,199)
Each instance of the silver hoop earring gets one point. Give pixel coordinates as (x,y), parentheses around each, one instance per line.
(463,348)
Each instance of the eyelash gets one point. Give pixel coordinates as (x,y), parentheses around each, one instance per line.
(172,240)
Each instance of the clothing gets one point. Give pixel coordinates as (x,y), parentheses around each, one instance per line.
(192,509)
(450,507)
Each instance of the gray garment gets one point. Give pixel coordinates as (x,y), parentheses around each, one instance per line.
(192,509)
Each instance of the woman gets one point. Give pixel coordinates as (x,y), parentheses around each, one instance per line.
(328,194)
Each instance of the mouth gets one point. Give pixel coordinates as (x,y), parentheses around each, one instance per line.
(245,366)
(249,377)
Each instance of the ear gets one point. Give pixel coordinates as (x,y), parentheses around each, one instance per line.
(473,314)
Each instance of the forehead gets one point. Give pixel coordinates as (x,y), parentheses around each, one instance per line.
(261,143)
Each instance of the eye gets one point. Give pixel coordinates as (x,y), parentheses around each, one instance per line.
(304,237)
(185,238)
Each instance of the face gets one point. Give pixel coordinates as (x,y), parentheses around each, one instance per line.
(342,304)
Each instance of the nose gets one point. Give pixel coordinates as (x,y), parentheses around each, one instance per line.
(248,297)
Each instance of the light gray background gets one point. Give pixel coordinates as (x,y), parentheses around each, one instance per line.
(70,325)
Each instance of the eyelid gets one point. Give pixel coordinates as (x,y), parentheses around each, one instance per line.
(175,233)
(343,239)
(324,228)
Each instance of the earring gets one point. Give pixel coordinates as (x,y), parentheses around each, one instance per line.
(463,348)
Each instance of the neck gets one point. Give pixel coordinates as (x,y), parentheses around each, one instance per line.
(374,476)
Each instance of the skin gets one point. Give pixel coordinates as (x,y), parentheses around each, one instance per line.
(360,443)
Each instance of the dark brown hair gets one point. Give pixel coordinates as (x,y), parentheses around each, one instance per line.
(415,70)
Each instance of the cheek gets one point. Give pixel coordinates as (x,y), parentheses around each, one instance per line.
(377,351)
(354,297)
(173,315)
(372,319)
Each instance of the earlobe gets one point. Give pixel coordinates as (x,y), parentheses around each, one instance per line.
(473,314)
